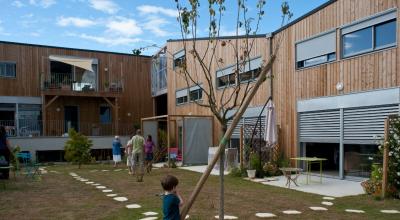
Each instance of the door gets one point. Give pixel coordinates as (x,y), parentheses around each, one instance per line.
(71,118)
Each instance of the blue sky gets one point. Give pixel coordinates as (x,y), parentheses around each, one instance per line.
(118,25)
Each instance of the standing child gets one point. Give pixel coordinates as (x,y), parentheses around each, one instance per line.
(116,151)
(148,150)
(128,151)
(171,200)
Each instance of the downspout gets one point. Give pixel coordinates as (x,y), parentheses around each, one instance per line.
(271,36)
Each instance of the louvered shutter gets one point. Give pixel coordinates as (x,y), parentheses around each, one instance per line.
(363,125)
(320,126)
(249,122)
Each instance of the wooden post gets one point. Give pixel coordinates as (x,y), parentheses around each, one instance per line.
(116,117)
(168,141)
(241,148)
(385,159)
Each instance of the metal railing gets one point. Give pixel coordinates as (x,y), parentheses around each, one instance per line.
(57,128)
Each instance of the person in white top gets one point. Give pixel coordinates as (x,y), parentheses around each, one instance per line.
(128,152)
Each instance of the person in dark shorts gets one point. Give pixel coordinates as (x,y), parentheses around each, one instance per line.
(148,150)
(171,200)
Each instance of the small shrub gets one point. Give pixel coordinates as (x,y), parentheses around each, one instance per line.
(77,148)
(237,172)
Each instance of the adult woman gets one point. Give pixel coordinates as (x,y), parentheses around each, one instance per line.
(148,150)
(5,151)
(116,150)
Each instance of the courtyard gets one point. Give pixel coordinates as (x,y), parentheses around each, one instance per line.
(57,194)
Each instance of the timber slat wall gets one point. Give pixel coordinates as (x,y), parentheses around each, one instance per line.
(33,60)
(363,72)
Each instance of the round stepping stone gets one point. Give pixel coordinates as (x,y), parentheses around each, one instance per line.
(96,184)
(89,182)
(149,213)
(120,199)
(133,206)
(107,190)
(73,174)
(227,217)
(84,180)
(327,203)
(291,212)
(149,218)
(316,208)
(101,187)
(105,170)
(328,198)
(118,170)
(265,215)
(112,195)
(390,211)
(354,211)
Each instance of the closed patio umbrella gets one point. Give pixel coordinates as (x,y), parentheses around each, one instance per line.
(270,136)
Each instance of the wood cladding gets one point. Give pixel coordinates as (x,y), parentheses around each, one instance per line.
(375,70)
(33,60)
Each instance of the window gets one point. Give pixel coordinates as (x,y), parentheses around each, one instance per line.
(371,34)
(250,71)
(179,59)
(195,93)
(316,50)
(8,69)
(181,96)
(105,115)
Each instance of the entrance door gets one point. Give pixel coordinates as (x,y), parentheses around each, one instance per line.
(71,118)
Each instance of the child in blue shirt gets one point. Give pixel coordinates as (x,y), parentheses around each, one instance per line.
(171,200)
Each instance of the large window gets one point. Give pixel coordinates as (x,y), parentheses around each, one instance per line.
(369,35)
(250,72)
(8,69)
(316,50)
(105,115)
(179,59)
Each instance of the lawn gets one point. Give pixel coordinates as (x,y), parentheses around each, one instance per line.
(59,196)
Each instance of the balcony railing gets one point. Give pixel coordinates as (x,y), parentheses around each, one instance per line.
(65,82)
(35,128)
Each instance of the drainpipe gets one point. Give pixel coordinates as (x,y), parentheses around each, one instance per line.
(341,147)
(271,36)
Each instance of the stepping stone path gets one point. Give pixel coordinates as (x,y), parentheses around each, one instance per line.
(84,180)
(149,218)
(291,212)
(120,199)
(101,187)
(316,208)
(107,190)
(150,213)
(96,184)
(265,215)
(327,203)
(118,170)
(328,198)
(392,211)
(112,195)
(133,206)
(89,182)
(354,211)
(226,217)
(105,170)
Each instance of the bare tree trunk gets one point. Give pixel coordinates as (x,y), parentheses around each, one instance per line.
(221,178)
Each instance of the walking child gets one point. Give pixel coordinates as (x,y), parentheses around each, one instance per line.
(171,200)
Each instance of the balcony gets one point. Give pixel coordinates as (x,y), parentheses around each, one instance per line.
(69,84)
(58,128)
(159,75)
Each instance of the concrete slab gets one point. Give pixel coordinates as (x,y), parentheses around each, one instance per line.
(201,169)
(329,187)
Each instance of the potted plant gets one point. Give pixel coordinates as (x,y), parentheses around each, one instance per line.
(254,164)
(106,86)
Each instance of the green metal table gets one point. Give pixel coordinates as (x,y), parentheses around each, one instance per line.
(309,161)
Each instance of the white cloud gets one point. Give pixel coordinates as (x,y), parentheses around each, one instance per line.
(151,9)
(18,4)
(106,6)
(155,24)
(224,32)
(2,31)
(75,21)
(42,3)
(34,34)
(124,27)
(109,41)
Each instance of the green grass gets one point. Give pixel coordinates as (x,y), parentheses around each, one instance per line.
(59,196)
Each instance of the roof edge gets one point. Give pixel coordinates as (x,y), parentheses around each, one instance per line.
(69,48)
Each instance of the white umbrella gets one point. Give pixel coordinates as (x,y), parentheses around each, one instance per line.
(270,136)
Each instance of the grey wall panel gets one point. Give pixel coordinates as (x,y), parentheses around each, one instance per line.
(319,126)
(151,128)
(197,140)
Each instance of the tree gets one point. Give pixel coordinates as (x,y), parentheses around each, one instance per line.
(205,57)
(77,148)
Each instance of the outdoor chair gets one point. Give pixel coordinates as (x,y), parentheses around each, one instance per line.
(31,167)
(174,154)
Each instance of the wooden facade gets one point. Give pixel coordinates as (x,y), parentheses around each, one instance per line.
(368,71)
(130,103)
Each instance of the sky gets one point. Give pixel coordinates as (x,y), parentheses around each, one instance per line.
(120,25)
